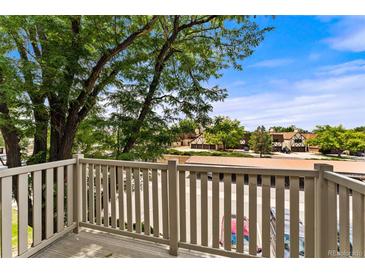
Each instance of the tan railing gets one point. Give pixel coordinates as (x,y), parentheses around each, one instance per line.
(229,211)
(342,216)
(42,190)
(254,192)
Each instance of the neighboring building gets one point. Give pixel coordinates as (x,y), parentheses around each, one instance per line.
(184,140)
(201,143)
(292,141)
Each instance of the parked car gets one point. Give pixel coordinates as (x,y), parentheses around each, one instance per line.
(246,233)
(301,235)
(360,154)
(286,233)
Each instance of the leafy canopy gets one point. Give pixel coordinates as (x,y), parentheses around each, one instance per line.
(224,131)
(338,138)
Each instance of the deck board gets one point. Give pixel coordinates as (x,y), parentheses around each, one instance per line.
(95,244)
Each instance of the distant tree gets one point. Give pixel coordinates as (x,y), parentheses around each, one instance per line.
(330,138)
(187,127)
(225,132)
(290,128)
(283,129)
(360,129)
(260,141)
(354,141)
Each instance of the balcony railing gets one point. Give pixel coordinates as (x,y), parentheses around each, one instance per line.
(229,211)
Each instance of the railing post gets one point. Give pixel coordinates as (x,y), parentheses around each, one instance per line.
(320,209)
(173,206)
(77,192)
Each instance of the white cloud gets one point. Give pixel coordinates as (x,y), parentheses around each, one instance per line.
(273,63)
(325,99)
(348,34)
(352,66)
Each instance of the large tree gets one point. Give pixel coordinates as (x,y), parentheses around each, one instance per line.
(159,66)
(224,131)
(62,64)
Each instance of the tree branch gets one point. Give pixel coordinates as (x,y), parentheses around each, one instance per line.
(89,83)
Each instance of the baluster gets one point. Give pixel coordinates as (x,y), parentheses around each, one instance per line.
(280,224)
(266,185)
(49,202)
(227,211)
(113,197)
(294,217)
(193,221)
(182,202)
(309,217)
(240,212)
(252,192)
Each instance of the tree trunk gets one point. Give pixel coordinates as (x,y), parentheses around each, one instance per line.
(40,135)
(57,130)
(11,138)
(12,147)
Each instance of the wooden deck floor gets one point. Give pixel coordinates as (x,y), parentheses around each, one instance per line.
(95,244)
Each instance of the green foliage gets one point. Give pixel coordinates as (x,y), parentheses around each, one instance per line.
(339,139)
(290,128)
(260,141)
(360,129)
(329,138)
(187,126)
(95,137)
(57,68)
(354,141)
(208,153)
(174,64)
(224,131)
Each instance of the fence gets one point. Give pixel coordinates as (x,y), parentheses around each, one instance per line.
(229,211)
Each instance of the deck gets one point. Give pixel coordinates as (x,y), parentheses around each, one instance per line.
(96,244)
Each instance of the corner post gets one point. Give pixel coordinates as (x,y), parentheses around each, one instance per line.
(321,208)
(77,192)
(173,206)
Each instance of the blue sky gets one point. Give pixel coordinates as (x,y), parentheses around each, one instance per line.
(309,70)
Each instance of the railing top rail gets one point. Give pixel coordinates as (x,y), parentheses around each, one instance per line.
(124,163)
(343,180)
(32,168)
(248,170)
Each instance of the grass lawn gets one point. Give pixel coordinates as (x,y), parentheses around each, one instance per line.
(14,233)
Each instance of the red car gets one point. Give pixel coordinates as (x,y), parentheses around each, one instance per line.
(246,233)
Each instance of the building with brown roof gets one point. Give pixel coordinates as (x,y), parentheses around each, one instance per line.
(292,141)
